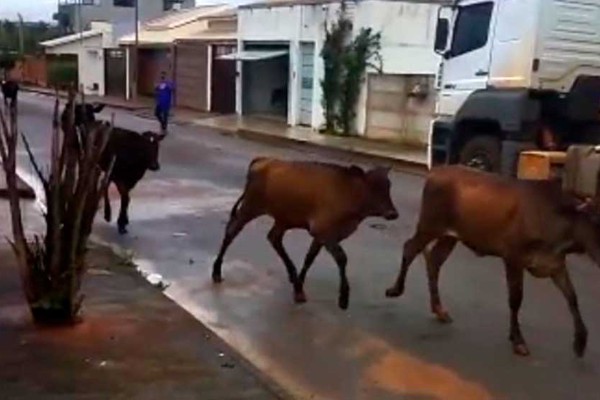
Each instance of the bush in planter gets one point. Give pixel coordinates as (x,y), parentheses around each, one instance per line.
(62,74)
(52,265)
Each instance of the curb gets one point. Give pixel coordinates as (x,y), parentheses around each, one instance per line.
(262,378)
(399,164)
(64,96)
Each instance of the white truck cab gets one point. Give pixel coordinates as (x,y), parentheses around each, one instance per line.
(514,72)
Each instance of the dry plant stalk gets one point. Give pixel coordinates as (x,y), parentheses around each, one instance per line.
(52,265)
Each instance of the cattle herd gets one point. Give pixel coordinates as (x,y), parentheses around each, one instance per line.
(531,225)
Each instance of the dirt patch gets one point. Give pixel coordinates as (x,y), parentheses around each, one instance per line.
(133,343)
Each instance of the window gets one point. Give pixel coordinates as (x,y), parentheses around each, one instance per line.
(169,5)
(124,3)
(472,28)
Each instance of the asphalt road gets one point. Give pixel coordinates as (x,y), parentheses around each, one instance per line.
(380,348)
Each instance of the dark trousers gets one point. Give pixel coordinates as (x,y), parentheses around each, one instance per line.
(162,114)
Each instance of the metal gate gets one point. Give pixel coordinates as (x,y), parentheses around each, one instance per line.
(115,72)
(223,81)
(307,58)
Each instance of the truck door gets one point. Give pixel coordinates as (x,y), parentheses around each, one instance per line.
(467,62)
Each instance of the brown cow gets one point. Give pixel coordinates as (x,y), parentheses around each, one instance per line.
(531,225)
(328,201)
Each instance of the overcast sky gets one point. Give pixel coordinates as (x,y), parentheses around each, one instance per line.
(36,10)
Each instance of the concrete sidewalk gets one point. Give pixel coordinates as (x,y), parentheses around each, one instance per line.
(258,128)
(271,131)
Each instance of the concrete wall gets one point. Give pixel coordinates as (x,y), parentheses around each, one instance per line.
(407,29)
(90,55)
(407,37)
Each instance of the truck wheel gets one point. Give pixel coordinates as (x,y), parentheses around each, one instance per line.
(481,152)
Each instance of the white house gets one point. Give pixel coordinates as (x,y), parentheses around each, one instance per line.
(88,49)
(280,67)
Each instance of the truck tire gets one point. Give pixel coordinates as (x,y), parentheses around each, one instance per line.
(482,152)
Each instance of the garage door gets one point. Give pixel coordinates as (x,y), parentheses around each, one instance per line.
(393,114)
(306,89)
(223,80)
(191,76)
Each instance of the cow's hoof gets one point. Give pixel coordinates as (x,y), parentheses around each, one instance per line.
(343,302)
(299,297)
(217,279)
(521,350)
(123,230)
(579,345)
(393,292)
(443,317)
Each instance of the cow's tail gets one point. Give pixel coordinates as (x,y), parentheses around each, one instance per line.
(240,200)
(236,206)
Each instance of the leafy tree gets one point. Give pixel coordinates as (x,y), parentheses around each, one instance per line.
(346,61)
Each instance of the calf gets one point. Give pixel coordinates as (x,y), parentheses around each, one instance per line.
(10,90)
(328,201)
(531,225)
(133,155)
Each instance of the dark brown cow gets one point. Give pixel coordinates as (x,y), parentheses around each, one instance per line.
(531,225)
(328,201)
(133,155)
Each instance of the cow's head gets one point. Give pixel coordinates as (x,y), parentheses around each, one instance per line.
(153,148)
(380,201)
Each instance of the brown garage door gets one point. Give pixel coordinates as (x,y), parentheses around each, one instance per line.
(151,63)
(223,81)
(190,75)
(115,65)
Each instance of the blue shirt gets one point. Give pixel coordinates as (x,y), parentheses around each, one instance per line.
(164,92)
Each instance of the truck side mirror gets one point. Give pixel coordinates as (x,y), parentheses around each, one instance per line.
(441,35)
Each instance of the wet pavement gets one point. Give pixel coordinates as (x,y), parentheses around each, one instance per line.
(379,348)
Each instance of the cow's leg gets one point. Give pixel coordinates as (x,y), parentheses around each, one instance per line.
(514,280)
(275,237)
(309,259)
(435,259)
(412,248)
(238,220)
(311,255)
(339,255)
(123,220)
(563,281)
(107,207)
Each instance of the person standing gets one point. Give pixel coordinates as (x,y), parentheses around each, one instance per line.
(163,96)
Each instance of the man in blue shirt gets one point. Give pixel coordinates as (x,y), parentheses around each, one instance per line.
(163,94)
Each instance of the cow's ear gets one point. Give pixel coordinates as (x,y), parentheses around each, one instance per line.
(356,170)
(98,107)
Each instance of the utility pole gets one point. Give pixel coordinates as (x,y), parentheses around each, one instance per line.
(134,82)
(21,36)
(79,21)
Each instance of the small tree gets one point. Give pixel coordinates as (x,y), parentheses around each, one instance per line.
(52,265)
(345,62)
(357,57)
(332,53)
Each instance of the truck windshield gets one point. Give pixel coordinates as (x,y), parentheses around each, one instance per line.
(472,28)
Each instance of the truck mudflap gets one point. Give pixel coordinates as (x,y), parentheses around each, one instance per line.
(511,151)
(439,143)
